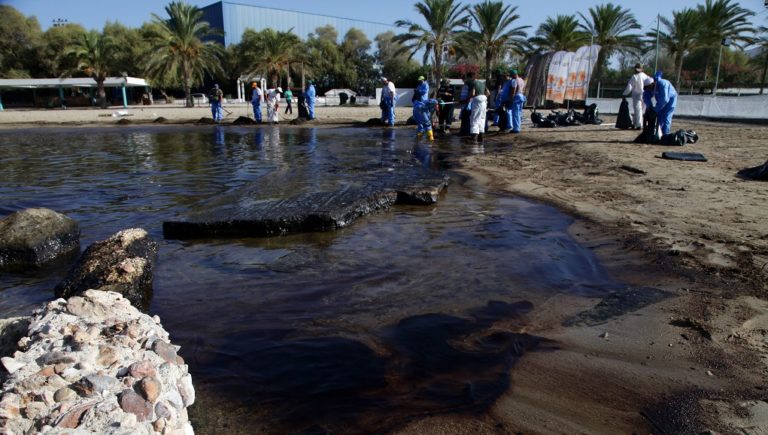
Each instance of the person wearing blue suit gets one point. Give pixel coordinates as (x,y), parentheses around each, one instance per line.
(666,101)
(309,98)
(421,109)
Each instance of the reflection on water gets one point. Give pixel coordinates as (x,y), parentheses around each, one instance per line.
(411,312)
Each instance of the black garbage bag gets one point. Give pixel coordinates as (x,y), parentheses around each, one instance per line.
(624,120)
(679,138)
(756,173)
(650,132)
(591,115)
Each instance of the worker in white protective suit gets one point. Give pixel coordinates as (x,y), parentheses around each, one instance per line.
(635,87)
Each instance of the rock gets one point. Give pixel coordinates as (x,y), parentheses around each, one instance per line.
(135,404)
(64,394)
(36,236)
(122,263)
(159,425)
(11,331)
(186,390)
(142,369)
(150,389)
(100,385)
(11,365)
(165,350)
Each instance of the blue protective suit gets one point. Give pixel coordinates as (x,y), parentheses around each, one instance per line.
(505,102)
(516,112)
(309,98)
(422,114)
(421,93)
(666,101)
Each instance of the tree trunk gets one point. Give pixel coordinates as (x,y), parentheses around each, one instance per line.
(303,78)
(679,68)
(488,59)
(102,93)
(438,51)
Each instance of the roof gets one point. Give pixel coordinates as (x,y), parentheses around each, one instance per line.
(84,82)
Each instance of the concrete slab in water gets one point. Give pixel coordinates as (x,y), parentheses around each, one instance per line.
(244,216)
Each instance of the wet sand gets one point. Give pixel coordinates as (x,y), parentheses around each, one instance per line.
(693,362)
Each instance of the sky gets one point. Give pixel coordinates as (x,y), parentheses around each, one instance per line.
(92,14)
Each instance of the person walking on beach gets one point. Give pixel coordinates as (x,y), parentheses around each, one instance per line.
(215,97)
(273,100)
(309,99)
(288,95)
(635,87)
(256,96)
(388,100)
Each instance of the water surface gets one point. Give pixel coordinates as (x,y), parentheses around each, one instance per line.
(406,313)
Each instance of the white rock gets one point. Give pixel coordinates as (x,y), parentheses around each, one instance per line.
(12,365)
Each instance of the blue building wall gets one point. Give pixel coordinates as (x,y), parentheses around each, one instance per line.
(235,18)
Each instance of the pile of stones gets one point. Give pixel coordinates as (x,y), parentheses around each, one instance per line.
(96,364)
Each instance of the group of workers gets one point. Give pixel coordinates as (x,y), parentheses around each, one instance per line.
(272,99)
(506,101)
(644,91)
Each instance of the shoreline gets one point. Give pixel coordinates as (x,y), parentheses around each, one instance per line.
(693,230)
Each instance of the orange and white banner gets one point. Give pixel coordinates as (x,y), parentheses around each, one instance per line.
(569,74)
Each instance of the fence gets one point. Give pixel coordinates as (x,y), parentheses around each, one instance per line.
(727,108)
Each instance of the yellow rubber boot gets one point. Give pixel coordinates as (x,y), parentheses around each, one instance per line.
(430,135)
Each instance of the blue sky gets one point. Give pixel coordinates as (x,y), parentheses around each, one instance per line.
(94,13)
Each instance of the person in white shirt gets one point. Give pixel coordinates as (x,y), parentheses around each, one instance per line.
(388,101)
(273,98)
(635,87)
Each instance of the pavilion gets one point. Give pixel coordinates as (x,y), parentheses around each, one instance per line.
(62,83)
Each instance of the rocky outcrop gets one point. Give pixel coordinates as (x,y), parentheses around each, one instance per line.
(95,364)
(242,216)
(123,263)
(35,236)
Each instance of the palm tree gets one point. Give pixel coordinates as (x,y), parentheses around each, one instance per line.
(495,34)
(274,52)
(680,36)
(609,24)
(178,49)
(95,53)
(761,60)
(444,20)
(559,34)
(722,19)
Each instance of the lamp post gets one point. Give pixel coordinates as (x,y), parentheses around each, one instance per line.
(726,42)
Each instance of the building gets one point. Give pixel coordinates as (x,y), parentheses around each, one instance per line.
(233,18)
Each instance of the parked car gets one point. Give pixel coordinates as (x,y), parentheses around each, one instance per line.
(200,99)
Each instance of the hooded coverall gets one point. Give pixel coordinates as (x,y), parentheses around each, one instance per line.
(666,101)
(421,109)
(635,87)
(309,98)
(388,100)
(256,102)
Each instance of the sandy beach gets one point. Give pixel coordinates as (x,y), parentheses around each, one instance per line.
(692,361)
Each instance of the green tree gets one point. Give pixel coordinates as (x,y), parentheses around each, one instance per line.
(760,62)
(327,61)
(131,48)
(356,49)
(95,54)
(178,51)
(445,19)
(559,34)
(679,37)
(20,40)
(394,64)
(495,34)
(51,54)
(610,25)
(721,19)
(273,52)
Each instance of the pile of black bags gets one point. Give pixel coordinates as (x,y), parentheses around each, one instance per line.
(567,119)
